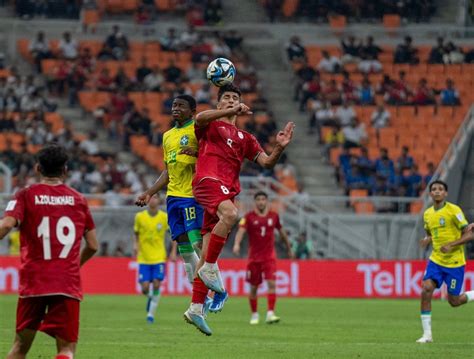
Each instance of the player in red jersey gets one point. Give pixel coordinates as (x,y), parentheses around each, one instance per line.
(260,225)
(222,149)
(52,219)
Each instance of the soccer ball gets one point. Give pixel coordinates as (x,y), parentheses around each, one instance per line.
(221,72)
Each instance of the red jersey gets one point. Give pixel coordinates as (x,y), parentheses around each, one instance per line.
(52,221)
(222,149)
(261,234)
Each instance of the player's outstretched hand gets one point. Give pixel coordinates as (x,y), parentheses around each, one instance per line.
(425,242)
(283,138)
(446,248)
(142,200)
(236,250)
(242,109)
(188,150)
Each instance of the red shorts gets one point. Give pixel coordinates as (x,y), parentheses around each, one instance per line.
(210,193)
(257,271)
(56,315)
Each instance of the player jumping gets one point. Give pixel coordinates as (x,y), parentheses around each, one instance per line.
(447,229)
(150,229)
(260,224)
(222,149)
(52,219)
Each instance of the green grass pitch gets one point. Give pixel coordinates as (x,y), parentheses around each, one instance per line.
(115,327)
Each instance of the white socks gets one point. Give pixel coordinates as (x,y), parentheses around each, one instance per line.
(196,308)
(470,295)
(190,263)
(426,324)
(155,299)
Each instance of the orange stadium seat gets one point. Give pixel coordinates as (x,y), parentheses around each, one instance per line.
(90,17)
(337,22)
(391,21)
(416,207)
(289,7)
(364,207)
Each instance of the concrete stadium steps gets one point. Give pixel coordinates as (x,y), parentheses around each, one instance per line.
(305,153)
(242,11)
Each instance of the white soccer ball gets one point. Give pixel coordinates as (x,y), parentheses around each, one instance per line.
(221,72)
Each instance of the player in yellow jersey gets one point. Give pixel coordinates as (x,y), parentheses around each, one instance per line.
(180,148)
(150,228)
(447,230)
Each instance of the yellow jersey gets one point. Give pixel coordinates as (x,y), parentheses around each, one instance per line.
(445,225)
(151,233)
(181,167)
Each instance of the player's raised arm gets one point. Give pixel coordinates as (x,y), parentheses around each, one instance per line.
(161,182)
(92,245)
(239,236)
(6,225)
(468,235)
(283,138)
(205,117)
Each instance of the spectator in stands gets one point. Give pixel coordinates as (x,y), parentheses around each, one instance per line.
(370,49)
(154,80)
(113,197)
(233,40)
(134,123)
(170,42)
(366,93)
(39,50)
(380,117)
(295,50)
(405,161)
(195,74)
(117,43)
(348,87)
(399,92)
(32,102)
(121,80)
(301,247)
(10,102)
(384,167)
(104,81)
(213,12)
(365,164)
(430,174)
(201,51)
(90,145)
(68,47)
(354,179)
(344,164)
(351,50)
(156,137)
(332,93)
(437,52)
(143,18)
(453,55)
(423,95)
(405,53)
(203,95)
(188,38)
(449,96)
(220,48)
(323,117)
(412,181)
(368,64)
(167,102)
(172,73)
(354,135)
(329,63)
(305,75)
(142,71)
(7,124)
(385,85)
(86,60)
(333,139)
(259,103)
(345,113)
(273,9)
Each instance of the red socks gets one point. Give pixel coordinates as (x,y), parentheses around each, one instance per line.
(216,244)
(271,301)
(253,305)
(199,291)
(61,356)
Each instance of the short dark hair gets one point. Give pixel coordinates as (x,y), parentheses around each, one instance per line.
(52,159)
(260,193)
(189,99)
(444,184)
(228,88)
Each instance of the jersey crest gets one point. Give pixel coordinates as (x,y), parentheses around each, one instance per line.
(184,140)
(442,222)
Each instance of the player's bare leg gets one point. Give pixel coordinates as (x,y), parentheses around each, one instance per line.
(66,349)
(253,298)
(209,272)
(22,344)
(427,290)
(457,300)
(154,299)
(271,317)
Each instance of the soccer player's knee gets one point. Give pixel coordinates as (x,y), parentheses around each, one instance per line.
(427,289)
(145,288)
(231,216)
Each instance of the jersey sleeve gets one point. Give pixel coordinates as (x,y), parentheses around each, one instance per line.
(459,218)
(253,148)
(16,207)
(200,131)
(165,152)
(277,221)
(425,221)
(136,223)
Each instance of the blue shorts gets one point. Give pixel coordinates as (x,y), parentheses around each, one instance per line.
(150,272)
(453,277)
(184,215)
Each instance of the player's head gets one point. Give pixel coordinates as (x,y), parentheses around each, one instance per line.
(183,108)
(154,202)
(438,190)
(228,96)
(51,160)
(261,201)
